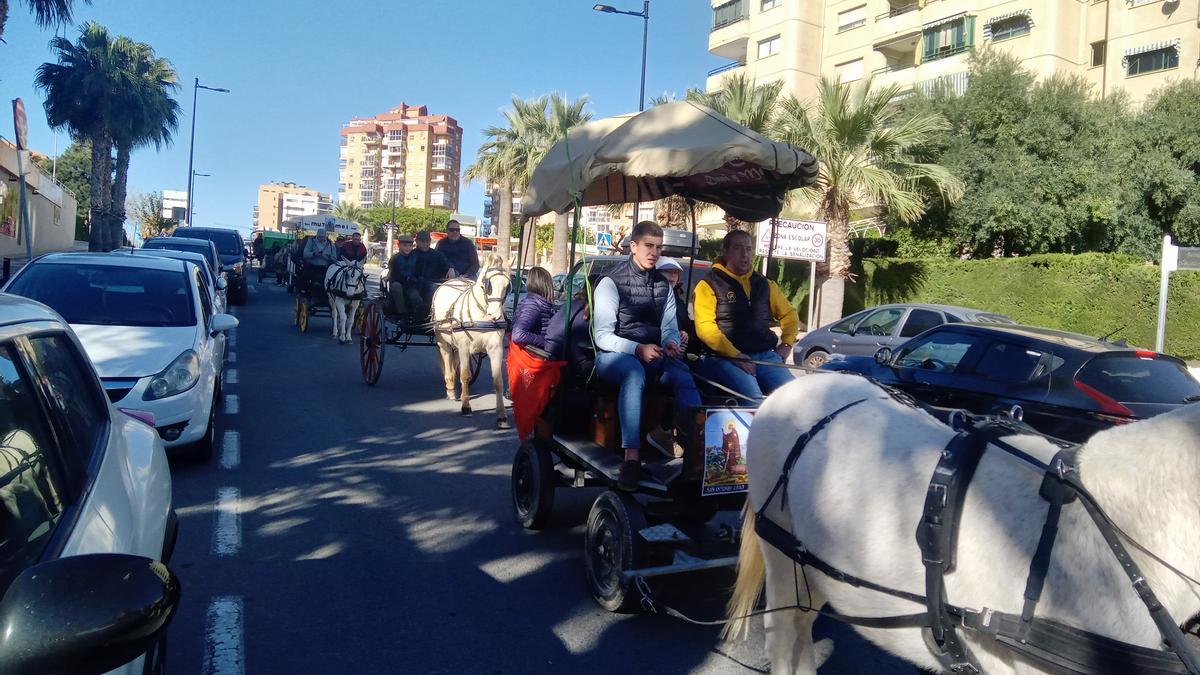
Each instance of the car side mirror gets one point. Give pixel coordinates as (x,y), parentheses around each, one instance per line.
(222,284)
(223,322)
(85,614)
(883,356)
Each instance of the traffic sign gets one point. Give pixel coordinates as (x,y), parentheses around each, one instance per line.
(794,239)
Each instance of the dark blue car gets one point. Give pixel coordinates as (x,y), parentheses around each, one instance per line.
(1067,385)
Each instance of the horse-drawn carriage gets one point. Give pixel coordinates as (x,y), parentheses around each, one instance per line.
(335,291)
(670,524)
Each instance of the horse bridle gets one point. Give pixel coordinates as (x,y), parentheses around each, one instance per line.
(487,287)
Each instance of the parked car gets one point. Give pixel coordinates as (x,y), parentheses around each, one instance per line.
(203,247)
(85,491)
(232,250)
(148,326)
(1067,385)
(862,333)
(216,284)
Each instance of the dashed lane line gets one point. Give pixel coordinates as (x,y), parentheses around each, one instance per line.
(231,357)
(231,450)
(231,338)
(231,404)
(224,652)
(231,376)
(227,537)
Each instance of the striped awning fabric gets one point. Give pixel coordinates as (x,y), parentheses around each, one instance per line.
(944,20)
(987,27)
(1152,47)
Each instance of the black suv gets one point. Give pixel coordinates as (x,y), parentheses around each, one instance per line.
(232,249)
(1067,385)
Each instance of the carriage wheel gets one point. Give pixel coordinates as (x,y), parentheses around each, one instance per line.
(613,545)
(533,485)
(371,343)
(360,317)
(305,310)
(296,312)
(476,365)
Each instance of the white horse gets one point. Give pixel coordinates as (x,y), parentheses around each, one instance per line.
(468,318)
(346,285)
(856,496)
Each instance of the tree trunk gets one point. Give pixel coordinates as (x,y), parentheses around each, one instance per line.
(504,222)
(837,214)
(98,187)
(560,242)
(119,187)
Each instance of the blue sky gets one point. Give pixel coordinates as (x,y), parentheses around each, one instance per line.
(299,70)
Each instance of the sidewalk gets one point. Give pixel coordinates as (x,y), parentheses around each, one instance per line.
(10,265)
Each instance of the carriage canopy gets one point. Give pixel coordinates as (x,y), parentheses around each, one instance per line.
(314,224)
(681,148)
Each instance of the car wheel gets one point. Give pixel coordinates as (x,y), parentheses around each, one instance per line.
(203,450)
(238,297)
(816,358)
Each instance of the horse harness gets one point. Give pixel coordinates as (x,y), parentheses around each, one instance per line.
(458,326)
(336,282)
(1054,646)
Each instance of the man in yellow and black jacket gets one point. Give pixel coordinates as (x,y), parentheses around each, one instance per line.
(734,307)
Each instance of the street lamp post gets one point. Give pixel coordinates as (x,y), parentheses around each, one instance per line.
(191,186)
(192,149)
(645,16)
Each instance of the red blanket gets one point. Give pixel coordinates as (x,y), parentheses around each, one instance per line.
(531,381)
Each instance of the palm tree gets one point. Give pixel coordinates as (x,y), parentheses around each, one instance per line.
(564,115)
(46,13)
(148,115)
(751,105)
(350,212)
(490,167)
(79,96)
(866,152)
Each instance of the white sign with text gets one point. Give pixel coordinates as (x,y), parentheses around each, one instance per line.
(794,240)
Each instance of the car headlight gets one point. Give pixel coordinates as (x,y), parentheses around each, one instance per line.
(181,375)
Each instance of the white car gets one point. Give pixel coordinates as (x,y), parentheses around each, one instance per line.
(85,495)
(149,327)
(216,285)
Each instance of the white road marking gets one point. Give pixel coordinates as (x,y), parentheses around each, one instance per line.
(231,338)
(231,376)
(224,645)
(252,288)
(231,404)
(231,450)
(227,537)
(231,357)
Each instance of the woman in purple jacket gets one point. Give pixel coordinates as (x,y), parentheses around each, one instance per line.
(532,373)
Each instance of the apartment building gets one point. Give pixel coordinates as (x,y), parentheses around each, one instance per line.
(1134,45)
(279,201)
(405,157)
(174,205)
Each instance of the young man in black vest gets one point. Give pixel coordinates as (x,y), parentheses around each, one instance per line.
(637,338)
(734,308)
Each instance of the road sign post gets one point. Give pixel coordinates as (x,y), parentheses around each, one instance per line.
(796,240)
(21,126)
(1173,258)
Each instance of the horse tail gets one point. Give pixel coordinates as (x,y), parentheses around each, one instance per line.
(751,578)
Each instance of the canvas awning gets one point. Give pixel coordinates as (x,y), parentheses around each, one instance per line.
(987,27)
(1152,47)
(681,148)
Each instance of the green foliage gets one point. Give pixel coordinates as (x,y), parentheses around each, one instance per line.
(1049,168)
(408,220)
(1091,293)
(146,210)
(73,168)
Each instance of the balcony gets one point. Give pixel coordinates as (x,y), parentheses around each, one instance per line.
(728,66)
(900,18)
(440,178)
(439,199)
(730,35)
(899,60)
(896,9)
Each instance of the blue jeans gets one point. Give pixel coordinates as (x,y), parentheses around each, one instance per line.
(629,373)
(765,380)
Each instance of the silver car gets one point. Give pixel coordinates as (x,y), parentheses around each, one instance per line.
(863,333)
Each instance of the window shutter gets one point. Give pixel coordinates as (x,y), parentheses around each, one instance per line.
(930,36)
(970,27)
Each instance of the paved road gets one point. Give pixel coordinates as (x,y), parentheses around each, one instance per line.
(347,528)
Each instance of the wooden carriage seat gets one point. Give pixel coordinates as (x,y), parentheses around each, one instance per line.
(606,426)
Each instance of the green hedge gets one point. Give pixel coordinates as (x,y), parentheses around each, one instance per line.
(1091,293)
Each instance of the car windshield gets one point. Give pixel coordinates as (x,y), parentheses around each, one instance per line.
(109,295)
(228,243)
(166,244)
(1128,378)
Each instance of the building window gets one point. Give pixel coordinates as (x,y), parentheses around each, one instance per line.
(768,47)
(395,135)
(368,184)
(728,12)
(949,38)
(367,172)
(1010,28)
(1150,61)
(768,4)
(850,71)
(366,197)
(341,187)
(1098,49)
(852,18)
